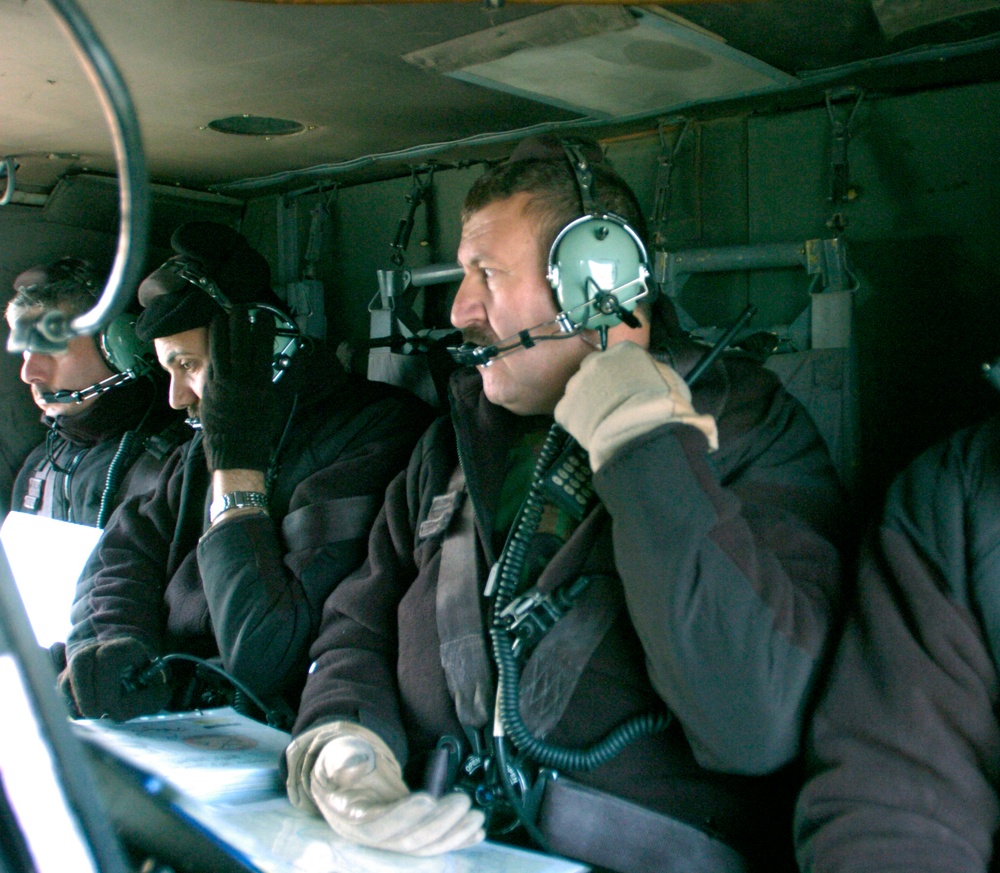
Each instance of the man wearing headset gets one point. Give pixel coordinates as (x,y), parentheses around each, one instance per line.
(650,632)
(253,522)
(108,429)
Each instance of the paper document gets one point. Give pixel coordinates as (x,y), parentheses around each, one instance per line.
(278,838)
(210,755)
(225,769)
(46,557)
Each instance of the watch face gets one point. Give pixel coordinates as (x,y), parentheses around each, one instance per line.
(237,500)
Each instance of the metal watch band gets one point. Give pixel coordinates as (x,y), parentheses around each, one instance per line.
(237,500)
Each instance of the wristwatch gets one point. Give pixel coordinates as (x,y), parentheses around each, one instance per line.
(236,500)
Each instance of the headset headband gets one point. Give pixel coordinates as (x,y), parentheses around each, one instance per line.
(584,176)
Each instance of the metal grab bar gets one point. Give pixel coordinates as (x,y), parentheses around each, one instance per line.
(54,329)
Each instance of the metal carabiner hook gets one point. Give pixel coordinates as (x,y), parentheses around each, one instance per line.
(10,168)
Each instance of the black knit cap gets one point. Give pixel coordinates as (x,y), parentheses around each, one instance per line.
(173,304)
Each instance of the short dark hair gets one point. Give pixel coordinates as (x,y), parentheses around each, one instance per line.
(555,194)
(68,283)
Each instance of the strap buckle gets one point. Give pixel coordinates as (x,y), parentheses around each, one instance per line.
(533,614)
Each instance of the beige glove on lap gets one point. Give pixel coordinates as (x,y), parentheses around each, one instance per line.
(620,394)
(347,774)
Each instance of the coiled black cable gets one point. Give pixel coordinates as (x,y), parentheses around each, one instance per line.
(117,469)
(509,577)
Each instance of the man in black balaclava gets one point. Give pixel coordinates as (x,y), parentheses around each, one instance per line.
(257,519)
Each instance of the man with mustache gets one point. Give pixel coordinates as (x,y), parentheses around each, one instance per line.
(257,519)
(642,608)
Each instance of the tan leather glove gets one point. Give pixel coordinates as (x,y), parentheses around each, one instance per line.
(347,774)
(620,394)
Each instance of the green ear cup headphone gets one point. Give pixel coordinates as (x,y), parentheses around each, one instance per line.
(598,265)
(123,350)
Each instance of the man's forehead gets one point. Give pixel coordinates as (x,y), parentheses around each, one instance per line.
(488,225)
(34,311)
(192,343)
(477,228)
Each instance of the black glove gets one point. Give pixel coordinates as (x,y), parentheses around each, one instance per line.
(100,680)
(239,409)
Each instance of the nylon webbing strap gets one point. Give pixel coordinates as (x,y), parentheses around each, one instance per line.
(601,829)
(552,672)
(464,657)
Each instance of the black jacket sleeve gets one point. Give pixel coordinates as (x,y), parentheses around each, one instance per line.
(904,750)
(266,580)
(121,590)
(354,671)
(731,569)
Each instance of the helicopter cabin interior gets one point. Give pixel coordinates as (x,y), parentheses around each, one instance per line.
(837,166)
(832,168)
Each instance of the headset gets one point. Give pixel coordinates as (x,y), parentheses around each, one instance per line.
(598,265)
(598,269)
(288,339)
(127,356)
(122,350)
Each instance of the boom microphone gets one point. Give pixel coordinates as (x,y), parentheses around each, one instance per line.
(471,355)
(81,394)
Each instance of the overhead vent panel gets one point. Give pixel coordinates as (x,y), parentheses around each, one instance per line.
(606,62)
(897,17)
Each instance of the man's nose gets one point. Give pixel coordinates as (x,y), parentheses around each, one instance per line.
(180,395)
(36,368)
(467,308)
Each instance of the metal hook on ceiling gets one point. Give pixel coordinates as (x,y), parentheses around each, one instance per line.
(419,190)
(9,169)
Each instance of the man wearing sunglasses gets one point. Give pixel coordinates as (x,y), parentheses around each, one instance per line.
(108,428)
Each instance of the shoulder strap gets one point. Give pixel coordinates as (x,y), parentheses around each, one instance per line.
(464,657)
(553,670)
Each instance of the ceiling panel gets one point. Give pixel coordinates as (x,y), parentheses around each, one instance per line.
(340,70)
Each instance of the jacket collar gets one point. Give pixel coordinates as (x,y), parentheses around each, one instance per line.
(110,415)
(484,434)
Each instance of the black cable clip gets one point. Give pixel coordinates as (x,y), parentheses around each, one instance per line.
(142,676)
(495,783)
(532,615)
